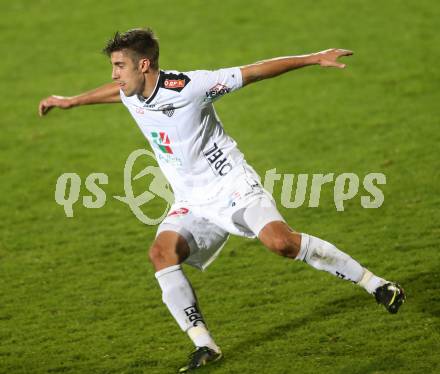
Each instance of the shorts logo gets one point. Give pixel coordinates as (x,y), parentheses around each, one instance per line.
(236,196)
(179,212)
(218,163)
(174,83)
(216,91)
(162,140)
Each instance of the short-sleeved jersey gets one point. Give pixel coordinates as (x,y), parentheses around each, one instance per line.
(179,120)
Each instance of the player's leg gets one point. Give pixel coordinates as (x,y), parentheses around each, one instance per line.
(187,237)
(167,253)
(168,249)
(322,255)
(278,237)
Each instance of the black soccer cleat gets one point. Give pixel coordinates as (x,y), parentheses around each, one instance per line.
(391,295)
(202,356)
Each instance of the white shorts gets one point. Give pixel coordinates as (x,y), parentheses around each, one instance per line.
(243,207)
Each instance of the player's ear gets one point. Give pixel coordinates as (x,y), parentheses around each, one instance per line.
(144,65)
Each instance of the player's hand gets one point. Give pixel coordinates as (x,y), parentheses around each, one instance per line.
(329,57)
(54,102)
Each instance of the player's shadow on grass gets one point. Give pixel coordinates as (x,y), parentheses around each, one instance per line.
(422,290)
(336,306)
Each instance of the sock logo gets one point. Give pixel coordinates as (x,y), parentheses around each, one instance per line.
(194,316)
(340,275)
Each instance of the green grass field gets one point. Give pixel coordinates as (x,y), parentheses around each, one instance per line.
(77,295)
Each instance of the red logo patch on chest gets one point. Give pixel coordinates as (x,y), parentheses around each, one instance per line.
(174,83)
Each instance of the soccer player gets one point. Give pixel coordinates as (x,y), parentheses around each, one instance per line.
(216,192)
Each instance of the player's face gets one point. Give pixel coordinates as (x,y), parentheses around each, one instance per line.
(127,74)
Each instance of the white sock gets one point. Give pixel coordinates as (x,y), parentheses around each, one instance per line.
(179,297)
(323,255)
(202,338)
(370,281)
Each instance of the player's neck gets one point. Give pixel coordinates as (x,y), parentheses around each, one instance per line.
(150,82)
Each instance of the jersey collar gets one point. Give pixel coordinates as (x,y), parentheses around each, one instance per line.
(156,89)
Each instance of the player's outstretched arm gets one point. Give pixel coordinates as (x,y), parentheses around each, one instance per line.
(109,93)
(276,66)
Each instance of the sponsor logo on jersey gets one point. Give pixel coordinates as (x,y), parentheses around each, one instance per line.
(139,110)
(162,141)
(179,212)
(218,162)
(217,91)
(174,83)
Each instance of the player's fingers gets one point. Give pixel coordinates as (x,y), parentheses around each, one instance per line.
(345,52)
(44,107)
(41,108)
(47,109)
(333,64)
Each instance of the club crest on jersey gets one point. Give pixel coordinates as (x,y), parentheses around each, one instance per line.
(167,109)
(162,141)
(216,91)
(218,162)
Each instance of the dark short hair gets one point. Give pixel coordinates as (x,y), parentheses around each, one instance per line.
(142,43)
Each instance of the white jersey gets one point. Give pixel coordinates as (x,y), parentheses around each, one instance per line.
(179,120)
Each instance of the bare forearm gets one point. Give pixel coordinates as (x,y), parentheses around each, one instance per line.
(109,93)
(276,66)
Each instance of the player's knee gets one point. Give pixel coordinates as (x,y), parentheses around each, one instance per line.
(157,254)
(283,246)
